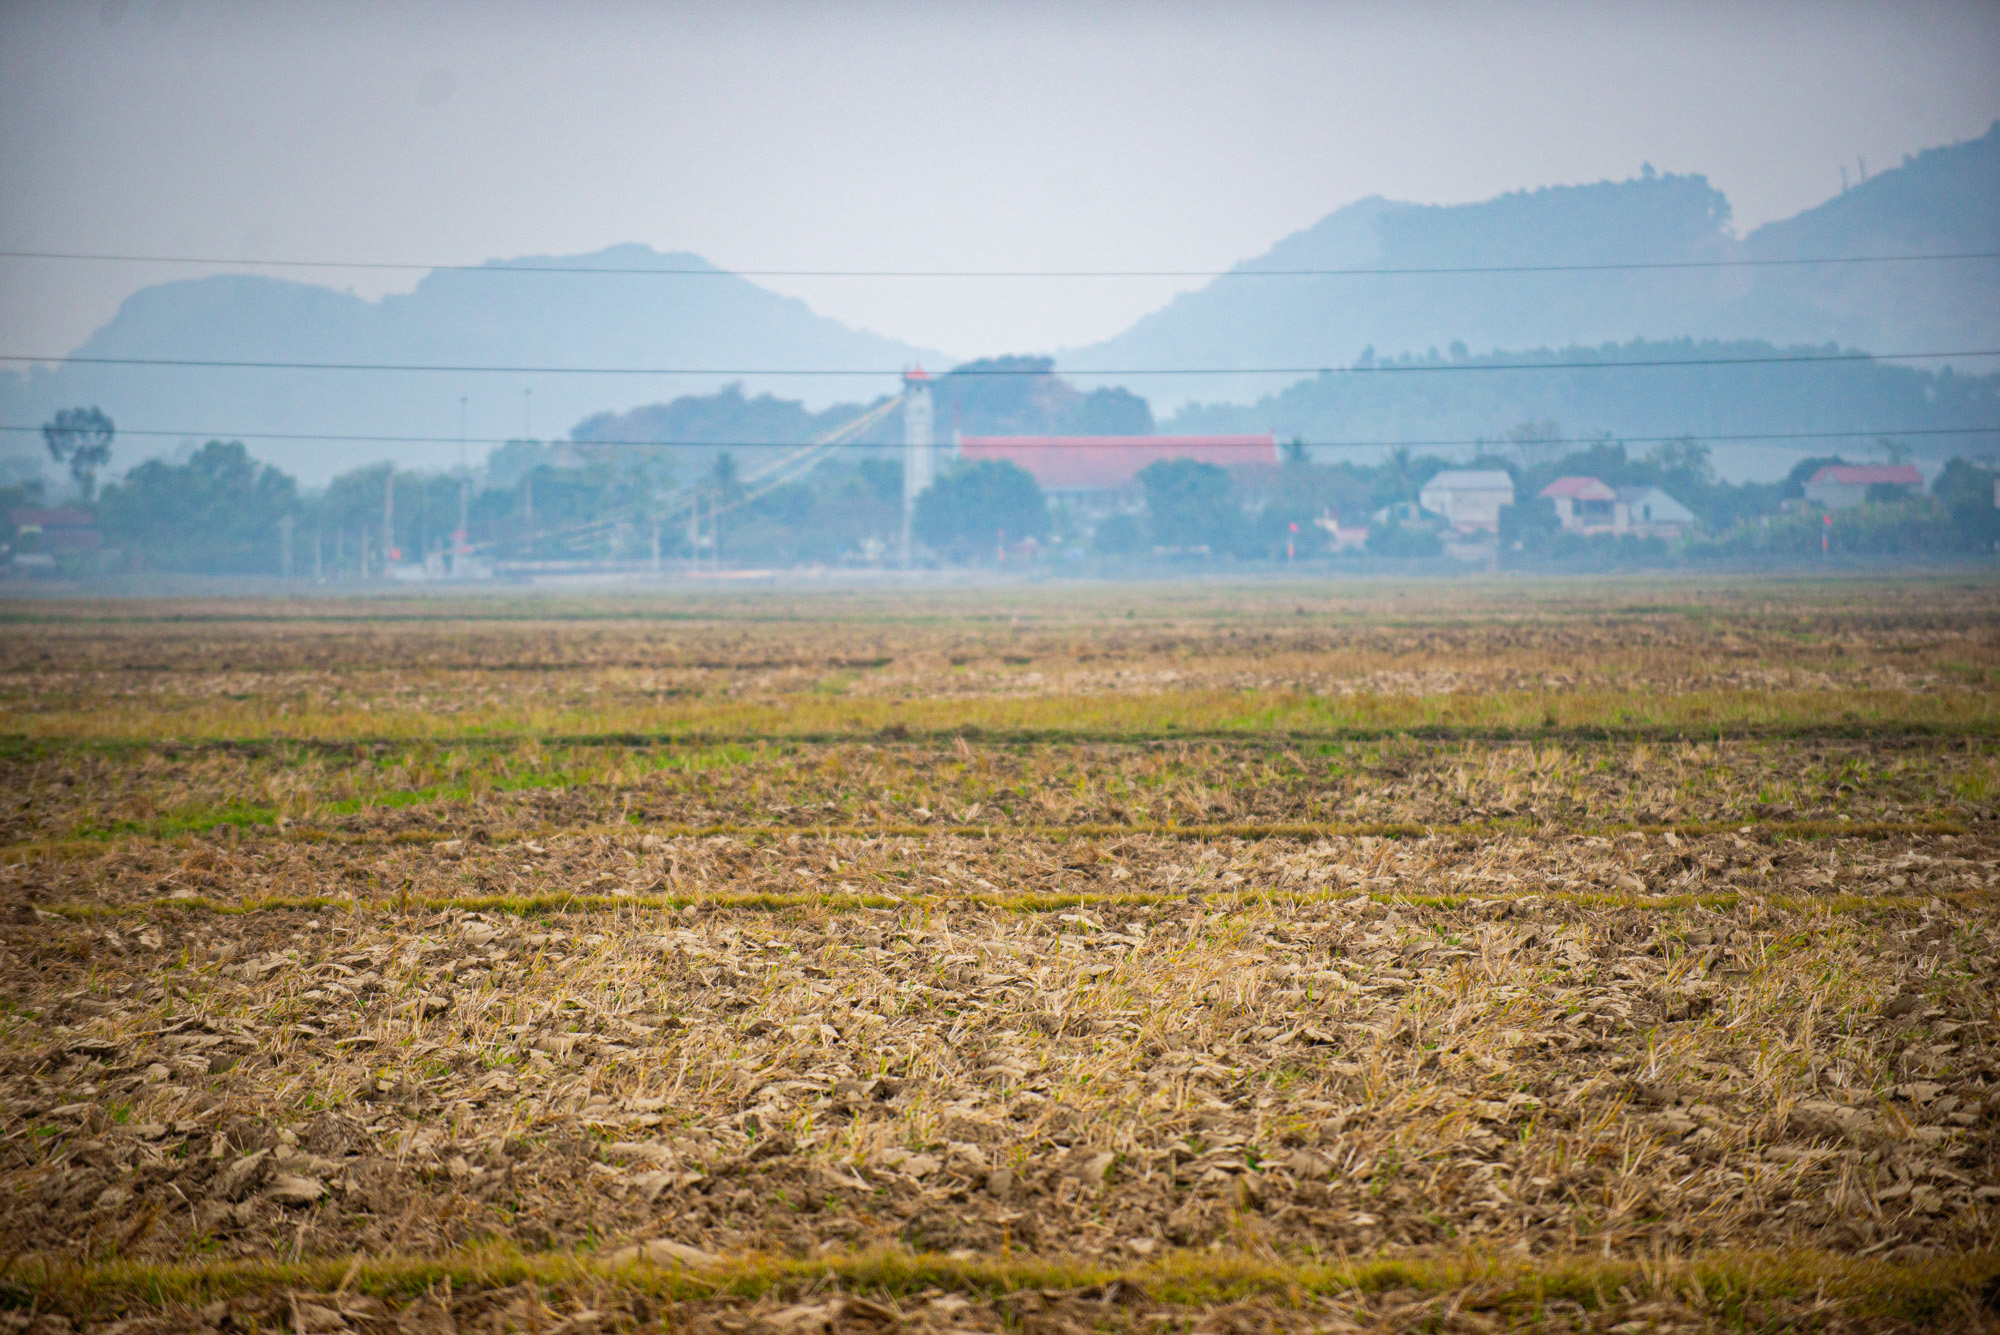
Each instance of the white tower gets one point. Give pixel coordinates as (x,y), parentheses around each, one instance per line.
(919,462)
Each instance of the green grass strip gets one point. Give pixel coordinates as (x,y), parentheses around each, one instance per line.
(1932,1290)
(92,842)
(529,906)
(1249,735)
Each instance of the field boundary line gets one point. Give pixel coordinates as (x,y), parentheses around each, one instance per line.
(975,734)
(1915,1290)
(989,831)
(560,903)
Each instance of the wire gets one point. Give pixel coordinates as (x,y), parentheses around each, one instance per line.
(1372,368)
(1239,272)
(1137,441)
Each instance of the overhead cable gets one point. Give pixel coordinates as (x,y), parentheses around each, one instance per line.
(1368,368)
(1241,271)
(1085,443)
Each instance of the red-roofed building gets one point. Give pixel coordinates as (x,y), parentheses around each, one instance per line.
(63,531)
(1591,505)
(1112,463)
(1842,486)
(1583,504)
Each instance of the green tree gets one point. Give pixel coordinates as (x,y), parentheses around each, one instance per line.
(81,438)
(1405,542)
(724,478)
(1965,492)
(1529,520)
(217,513)
(973,508)
(1118,535)
(1794,485)
(1962,483)
(1190,504)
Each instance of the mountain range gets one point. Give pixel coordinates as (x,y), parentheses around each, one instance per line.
(524,312)
(1944,200)
(528,313)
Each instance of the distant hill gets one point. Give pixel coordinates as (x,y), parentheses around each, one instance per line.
(1941,200)
(1466,403)
(453,316)
(750,427)
(992,396)
(1946,199)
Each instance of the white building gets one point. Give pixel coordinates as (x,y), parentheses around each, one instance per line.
(1843,486)
(1468,498)
(1648,512)
(1587,505)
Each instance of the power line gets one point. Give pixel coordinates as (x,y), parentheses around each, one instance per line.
(1140,441)
(1371,368)
(1238,272)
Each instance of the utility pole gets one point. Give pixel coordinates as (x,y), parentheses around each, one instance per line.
(285,546)
(917,457)
(656,547)
(388,519)
(319,567)
(461,541)
(461,431)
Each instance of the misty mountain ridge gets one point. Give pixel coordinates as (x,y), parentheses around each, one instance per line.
(1856,403)
(993,396)
(454,317)
(1945,199)
(1942,200)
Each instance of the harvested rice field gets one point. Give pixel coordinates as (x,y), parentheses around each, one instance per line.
(1607,956)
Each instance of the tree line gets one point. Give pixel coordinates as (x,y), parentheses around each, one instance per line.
(221,511)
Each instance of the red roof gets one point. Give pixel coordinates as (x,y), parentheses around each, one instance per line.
(1580,489)
(1102,463)
(1867,475)
(919,374)
(63,517)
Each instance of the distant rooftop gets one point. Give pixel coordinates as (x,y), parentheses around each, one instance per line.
(1580,489)
(1867,475)
(61,517)
(1473,479)
(1104,463)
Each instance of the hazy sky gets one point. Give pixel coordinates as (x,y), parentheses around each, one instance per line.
(888,135)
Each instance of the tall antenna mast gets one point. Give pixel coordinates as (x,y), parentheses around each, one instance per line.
(917,454)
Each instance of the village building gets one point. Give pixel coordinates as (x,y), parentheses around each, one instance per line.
(1082,466)
(1648,512)
(1341,537)
(42,536)
(1583,504)
(1589,506)
(1469,499)
(1844,486)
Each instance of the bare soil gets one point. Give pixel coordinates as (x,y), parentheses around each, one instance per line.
(1116,1006)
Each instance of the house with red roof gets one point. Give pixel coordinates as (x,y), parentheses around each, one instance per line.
(1588,505)
(1583,504)
(1843,486)
(1077,465)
